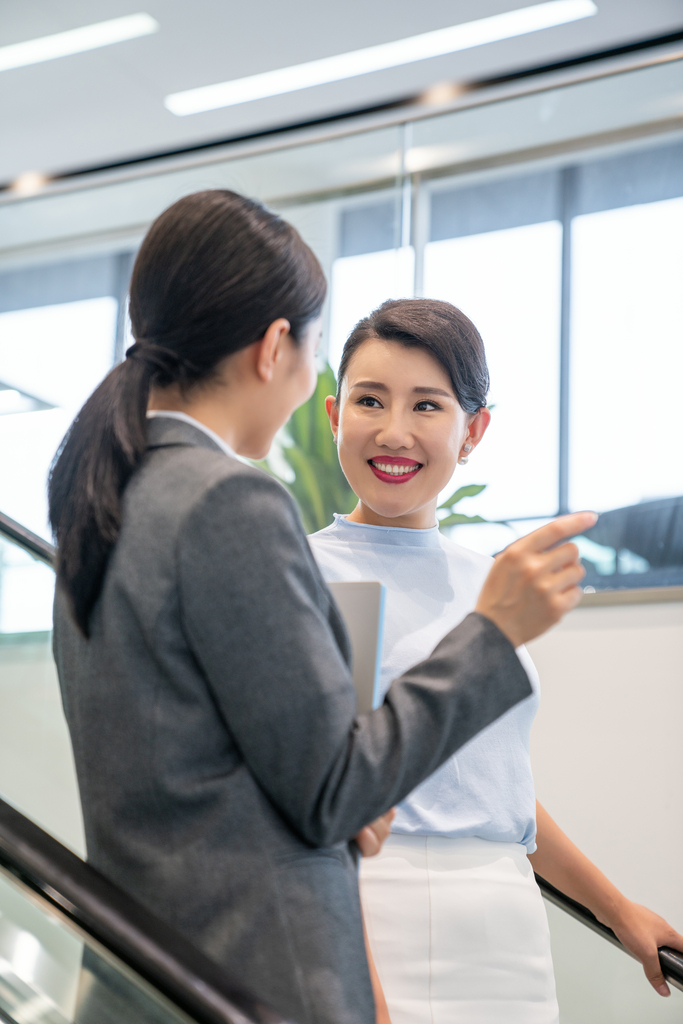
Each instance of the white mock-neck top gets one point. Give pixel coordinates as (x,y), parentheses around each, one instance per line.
(486,789)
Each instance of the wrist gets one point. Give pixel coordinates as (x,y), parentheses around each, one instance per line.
(501,626)
(613,911)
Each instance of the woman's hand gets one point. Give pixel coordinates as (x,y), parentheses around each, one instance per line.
(641,931)
(534,582)
(371,838)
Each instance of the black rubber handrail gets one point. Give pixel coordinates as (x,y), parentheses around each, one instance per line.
(670,959)
(103,911)
(28,540)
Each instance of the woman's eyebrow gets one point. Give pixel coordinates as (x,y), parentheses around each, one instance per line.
(432,391)
(378,386)
(374,384)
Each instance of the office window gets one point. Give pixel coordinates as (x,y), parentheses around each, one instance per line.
(360,284)
(56,355)
(495,251)
(60,333)
(508,283)
(372,267)
(627,355)
(625,426)
(573,278)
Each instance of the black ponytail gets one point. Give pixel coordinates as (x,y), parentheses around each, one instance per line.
(213,271)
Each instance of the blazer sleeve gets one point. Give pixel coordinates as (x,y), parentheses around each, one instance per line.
(255,612)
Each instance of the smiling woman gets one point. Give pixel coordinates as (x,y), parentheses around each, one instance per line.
(415,404)
(455,920)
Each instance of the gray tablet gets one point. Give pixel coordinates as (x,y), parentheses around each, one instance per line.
(362,607)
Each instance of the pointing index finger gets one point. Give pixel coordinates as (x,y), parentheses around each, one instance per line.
(548,536)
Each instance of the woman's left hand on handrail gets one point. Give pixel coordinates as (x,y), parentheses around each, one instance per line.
(371,838)
(642,932)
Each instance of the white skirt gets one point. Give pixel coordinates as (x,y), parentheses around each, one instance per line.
(458,931)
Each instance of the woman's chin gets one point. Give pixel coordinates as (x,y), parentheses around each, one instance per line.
(390,509)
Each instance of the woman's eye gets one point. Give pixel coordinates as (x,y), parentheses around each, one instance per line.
(426,406)
(370,402)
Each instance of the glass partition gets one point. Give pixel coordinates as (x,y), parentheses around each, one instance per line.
(37,773)
(547,118)
(550,212)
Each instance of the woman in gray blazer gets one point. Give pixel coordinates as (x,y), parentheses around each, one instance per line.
(204,667)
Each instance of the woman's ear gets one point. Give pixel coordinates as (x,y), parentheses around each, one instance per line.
(269,349)
(332,409)
(478,426)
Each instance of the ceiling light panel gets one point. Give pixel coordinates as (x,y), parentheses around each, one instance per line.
(76,40)
(378,58)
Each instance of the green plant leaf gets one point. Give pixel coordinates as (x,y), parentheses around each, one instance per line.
(319,486)
(469,491)
(457,519)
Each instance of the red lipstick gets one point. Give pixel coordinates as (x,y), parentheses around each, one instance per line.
(394,469)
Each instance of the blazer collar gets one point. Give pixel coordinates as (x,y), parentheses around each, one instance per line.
(166,432)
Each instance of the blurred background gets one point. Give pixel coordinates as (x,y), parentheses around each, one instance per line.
(522,162)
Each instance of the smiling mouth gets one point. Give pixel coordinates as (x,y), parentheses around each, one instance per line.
(394,472)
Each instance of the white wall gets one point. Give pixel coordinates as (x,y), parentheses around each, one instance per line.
(608,759)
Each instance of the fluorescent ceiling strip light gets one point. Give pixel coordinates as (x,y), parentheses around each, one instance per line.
(379,58)
(76,40)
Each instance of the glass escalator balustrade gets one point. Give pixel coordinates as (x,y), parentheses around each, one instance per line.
(37,773)
(48,975)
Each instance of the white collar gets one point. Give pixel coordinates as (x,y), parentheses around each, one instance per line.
(184,418)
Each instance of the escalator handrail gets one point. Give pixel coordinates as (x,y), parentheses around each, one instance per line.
(116,921)
(671,960)
(28,540)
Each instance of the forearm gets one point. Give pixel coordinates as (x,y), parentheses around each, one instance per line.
(472,677)
(381,1008)
(640,930)
(562,864)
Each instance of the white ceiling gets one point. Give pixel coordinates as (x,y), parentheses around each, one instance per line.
(107,105)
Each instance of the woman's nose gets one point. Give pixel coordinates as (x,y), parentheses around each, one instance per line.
(394,433)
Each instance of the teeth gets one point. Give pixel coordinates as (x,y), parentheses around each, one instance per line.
(393,469)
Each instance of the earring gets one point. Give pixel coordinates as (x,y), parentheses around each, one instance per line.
(463,460)
(334,438)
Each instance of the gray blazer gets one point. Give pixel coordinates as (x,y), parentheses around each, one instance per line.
(221,765)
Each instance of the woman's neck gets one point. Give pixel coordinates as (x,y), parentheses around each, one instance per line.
(420,519)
